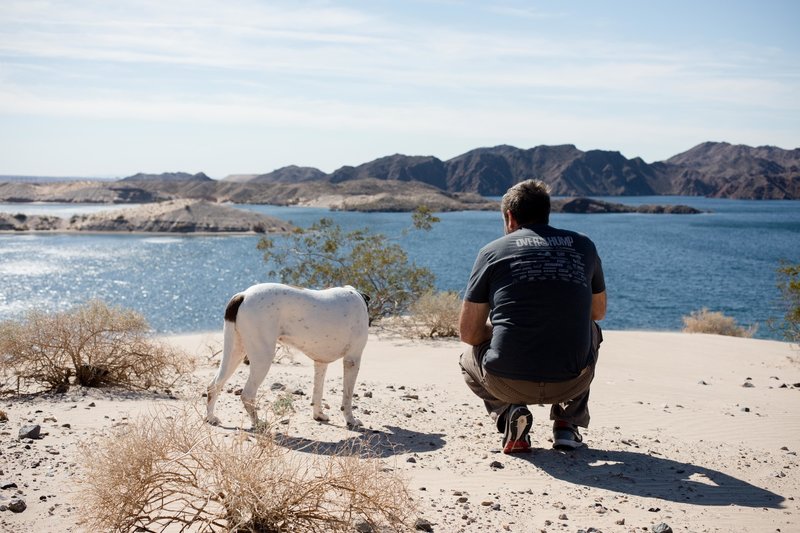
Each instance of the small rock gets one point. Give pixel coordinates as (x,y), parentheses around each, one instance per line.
(422,524)
(487,503)
(654,509)
(92,404)
(745,409)
(7,485)
(620,522)
(702,382)
(748,385)
(462,499)
(662,528)
(30,432)
(17,505)
(411,460)
(277,386)
(299,392)
(496,465)
(563,516)
(363,527)
(368,394)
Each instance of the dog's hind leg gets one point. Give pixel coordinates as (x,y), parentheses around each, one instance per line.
(260,350)
(319,385)
(232,355)
(350,372)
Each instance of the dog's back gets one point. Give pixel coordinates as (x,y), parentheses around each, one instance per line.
(326,325)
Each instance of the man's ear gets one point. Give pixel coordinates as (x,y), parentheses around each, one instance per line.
(509,222)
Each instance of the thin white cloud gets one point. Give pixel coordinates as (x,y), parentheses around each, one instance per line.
(319,65)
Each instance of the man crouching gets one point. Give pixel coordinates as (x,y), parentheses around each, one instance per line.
(542,289)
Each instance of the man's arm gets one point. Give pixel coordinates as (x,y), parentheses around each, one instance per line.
(599,302)
(473,324)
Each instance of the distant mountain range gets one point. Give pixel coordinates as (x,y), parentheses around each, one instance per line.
(714,169)
(709,169)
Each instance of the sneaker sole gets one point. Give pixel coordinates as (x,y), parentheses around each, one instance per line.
(522,428)
(567,444)
(517,446)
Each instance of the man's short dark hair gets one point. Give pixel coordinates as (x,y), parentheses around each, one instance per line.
(528,201)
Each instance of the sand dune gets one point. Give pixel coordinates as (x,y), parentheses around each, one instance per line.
(696,431)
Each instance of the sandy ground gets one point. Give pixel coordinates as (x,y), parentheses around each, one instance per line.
(698,432)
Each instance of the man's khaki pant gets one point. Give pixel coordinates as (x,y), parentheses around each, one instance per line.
(569,399)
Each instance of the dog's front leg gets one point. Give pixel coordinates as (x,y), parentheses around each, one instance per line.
(350,372)
(319,385)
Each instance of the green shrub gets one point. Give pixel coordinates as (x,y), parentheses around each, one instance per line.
(324,255)
(789,285)
(715,322)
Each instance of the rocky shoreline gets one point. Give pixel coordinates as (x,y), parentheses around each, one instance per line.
(176,216)
(358,195)
(200,216)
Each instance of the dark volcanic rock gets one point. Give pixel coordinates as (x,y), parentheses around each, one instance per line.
(735,171)
(709,169)
(590,205)
(426,169)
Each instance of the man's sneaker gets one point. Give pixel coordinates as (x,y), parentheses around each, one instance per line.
(566,436)
(518,423)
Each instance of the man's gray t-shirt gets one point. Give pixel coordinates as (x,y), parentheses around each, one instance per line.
(538,282)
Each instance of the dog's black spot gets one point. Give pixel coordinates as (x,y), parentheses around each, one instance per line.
(233,307)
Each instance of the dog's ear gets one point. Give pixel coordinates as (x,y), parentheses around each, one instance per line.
(365,296)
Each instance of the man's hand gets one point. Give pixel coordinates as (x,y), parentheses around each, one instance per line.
(599,303)
(473,325)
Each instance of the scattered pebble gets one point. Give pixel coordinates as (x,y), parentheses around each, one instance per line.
(422,524)
(30,432)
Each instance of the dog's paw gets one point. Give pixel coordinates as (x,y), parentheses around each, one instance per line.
(355,423)
(321,417)
(213,420)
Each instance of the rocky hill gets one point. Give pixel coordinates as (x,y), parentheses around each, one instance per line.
(735,171)
(178,216)
(709,169)
(290,174)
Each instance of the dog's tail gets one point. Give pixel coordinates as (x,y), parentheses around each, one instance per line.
(233,307)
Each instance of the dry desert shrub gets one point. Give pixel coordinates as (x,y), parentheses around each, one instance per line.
(715,322)
(435,314)
(175,473)
(95,344)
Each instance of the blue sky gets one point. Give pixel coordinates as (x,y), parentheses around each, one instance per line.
(111,88)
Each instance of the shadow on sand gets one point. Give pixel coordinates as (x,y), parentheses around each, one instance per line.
(640,474)
(372,443)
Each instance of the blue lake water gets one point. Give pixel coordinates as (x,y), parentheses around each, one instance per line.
(658,267)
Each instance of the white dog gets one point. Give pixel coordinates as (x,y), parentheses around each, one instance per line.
(326,325)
